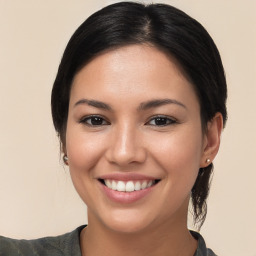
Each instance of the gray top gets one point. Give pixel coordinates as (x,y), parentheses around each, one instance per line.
(65,245)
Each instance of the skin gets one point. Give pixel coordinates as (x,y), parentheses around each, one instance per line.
(129,140)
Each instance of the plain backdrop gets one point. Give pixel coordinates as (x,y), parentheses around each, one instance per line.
(37,197)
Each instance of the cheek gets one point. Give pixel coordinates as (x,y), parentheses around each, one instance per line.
(179,155)
(83,150)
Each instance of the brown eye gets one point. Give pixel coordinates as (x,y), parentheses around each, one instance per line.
(161,121)
(94,121)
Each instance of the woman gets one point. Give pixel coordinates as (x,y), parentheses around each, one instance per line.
(139,106)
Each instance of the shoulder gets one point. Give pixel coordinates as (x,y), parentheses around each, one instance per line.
(202,250)
(67,244)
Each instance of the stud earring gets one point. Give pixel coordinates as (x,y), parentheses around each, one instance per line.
(65,159)
(208,161)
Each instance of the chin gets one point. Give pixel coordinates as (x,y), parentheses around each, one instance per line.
(128,221)
(125,221)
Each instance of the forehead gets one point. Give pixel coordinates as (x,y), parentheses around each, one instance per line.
(131,70)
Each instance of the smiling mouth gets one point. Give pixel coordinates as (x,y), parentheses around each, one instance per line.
(128,186)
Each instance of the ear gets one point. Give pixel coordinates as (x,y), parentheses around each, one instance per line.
(211,141)
(64,151)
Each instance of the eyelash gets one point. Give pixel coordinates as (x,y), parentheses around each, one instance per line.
(85,120)
(98,118)
(168,120)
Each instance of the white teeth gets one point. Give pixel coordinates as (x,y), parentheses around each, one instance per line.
(137,186)
(144,185)
(149,184)
(108,183)
(113,185)
(129,186)
(120,186)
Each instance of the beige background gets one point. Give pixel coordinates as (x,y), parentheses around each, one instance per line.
(36,195)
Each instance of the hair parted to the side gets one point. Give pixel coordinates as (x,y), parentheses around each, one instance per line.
(161,26)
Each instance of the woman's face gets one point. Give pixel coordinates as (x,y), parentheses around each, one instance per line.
(134,139)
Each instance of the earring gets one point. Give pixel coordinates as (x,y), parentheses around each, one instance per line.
(208,161)
(65,159)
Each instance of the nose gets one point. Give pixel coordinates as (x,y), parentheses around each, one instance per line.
(126,146)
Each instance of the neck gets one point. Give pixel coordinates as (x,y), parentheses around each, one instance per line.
(169,239)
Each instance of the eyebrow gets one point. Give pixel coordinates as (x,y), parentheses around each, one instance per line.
(159,102)
(143,106)
(94,103)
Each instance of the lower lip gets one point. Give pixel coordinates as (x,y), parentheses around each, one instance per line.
(126,197)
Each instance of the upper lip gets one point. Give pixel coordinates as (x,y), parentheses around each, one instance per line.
(126,177)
